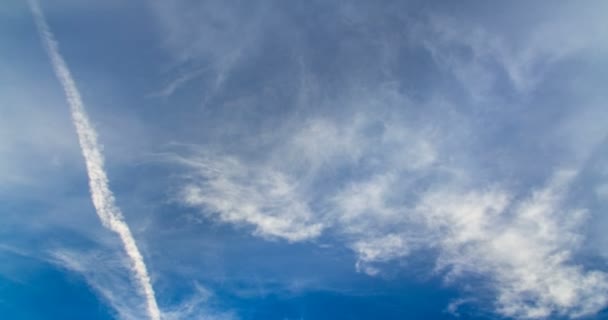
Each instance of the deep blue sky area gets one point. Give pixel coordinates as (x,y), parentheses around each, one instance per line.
(37,290)
(303,160)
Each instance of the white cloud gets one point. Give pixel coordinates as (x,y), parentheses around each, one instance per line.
(390,178)
(524,246)
(103,199)
(391,205)
(258,196)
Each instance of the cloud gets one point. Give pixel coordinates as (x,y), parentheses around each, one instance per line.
(105,274)
(389,189)
(259,196)
(206,51)
(103,199)
(478,55)
(526,246)
(453,306)
(196,307)
(102,271)
(377,149)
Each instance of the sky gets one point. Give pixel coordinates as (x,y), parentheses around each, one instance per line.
(303,160)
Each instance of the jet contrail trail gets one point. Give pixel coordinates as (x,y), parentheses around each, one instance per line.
(103,199)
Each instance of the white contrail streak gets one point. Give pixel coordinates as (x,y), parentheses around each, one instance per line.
(103,199)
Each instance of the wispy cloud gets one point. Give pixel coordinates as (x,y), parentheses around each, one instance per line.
(103,199)
(405,193)
(410,133)
(104,273)
(525,245)
(196,307)
(268,201)
(478,56)
(194,58)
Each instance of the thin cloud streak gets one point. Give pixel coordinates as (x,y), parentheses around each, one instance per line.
(103,199)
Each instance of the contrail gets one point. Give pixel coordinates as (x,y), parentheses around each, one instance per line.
(103,199)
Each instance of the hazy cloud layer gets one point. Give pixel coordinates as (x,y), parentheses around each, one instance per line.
(401,159)
(393,159)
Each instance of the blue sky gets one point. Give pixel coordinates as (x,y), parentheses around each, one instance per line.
(304,160)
